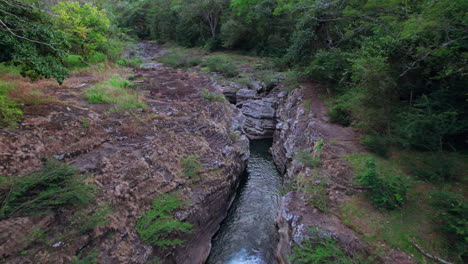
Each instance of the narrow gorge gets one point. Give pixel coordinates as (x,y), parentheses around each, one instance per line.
(253,199)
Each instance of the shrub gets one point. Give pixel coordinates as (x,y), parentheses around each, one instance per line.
(116,91)
(178,60)
(376,144)
(157,226)
(191,166)
(132,62)
(86,27)
(213,97)
(9,69)
(219,64)
(97,57)
(74,62)
(320,250)
(268,78)
(317,189)
(9,109)
(454,215)
(384,192)
(291,82)
(308,159)
(340,114)
(328,66)
(57,185)
(433,167)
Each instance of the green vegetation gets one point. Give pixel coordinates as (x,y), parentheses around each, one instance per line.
(84,25)
(89,218)
(221,65)
(318,249)
(421,216)
(179,60)
(307,158)
(10,112)
(453,217)
(376,144)
(115,90)
(85,123)
(213,97)
(385,192)
(158,227)
(57,185)
(435,167)
(191,166)
(316,188)
(133,62)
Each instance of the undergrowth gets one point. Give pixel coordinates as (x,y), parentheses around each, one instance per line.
(158,227)
(10,112)
(117,91)
(56,186)
(179,60)
(213,97)
(191,166)
(221,65)
(320,249)
(384,192)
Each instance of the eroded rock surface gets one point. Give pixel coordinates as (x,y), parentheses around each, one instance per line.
(131,158)
(300,126)
(260,117)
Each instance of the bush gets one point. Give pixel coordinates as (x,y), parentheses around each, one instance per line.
(178,60)
(213,97)
(384,192)
(320,250)
(157,226)
(291,82)
(376,144)
(454,215)
(219,64)
(308,159)
(74,62)
(317,189)
(57,185)
(86,27)
(9,109)
(116,91)
(191,166)
(132,62)
(433,167)
(340,114)
(328,66)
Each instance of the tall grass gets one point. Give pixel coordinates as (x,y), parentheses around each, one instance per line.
(115,90)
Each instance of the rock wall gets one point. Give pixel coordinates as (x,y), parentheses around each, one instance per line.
(300,126)
(131,158)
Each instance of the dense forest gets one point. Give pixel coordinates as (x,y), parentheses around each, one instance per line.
(396,70)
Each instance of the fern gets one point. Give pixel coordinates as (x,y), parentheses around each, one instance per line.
(157,225)
(55,186)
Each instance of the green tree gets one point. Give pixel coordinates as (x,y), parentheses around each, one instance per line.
(29,40)
(86,26)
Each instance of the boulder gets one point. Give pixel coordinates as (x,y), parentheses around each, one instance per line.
(245,94)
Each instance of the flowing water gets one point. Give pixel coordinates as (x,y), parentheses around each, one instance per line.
(248,234)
